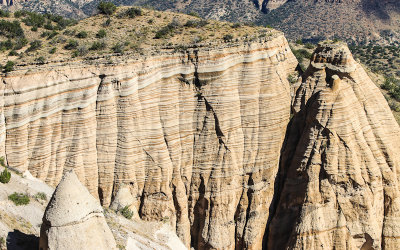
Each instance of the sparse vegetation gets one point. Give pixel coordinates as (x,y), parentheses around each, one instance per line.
(106,8)
(228,38)
(34,45)
(8,67)
(72,44)
(41,196)
(19,199)
(5,176)
(82,34)
(101,33)
(127,213)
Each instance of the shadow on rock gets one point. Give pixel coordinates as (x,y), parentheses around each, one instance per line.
(19,241)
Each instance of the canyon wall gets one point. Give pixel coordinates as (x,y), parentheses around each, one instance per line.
(196,135)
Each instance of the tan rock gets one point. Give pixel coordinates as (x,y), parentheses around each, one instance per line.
(339,187)
(74,219)
(196,135)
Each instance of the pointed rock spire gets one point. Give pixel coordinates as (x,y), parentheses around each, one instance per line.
(73,219)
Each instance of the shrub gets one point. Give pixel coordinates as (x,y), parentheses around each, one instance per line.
(8,67)
(131,13)
(107,23)
(34,19)
(40,60)
(195,14)
(82,34)
(11,29)
(98,45)
(6,45)
(4,13)
(101,34)
(196,23)
(19,199)
(2,161)
(20,43)
(53,50)
(228,38)
(13,53)
(35,45)
(5,176)
(72,44)
(299,41)
(106,8)
(127,213)
(41,196)
(81,51)
(49,26)
(118,48)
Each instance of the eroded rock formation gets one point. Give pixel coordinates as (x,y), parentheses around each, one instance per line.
(74,219)
(196,136)
(339,171)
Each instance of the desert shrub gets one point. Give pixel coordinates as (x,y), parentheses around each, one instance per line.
(395,106)
(41,196)
(6,45)
(34,19)
(40,60)
(4,13)
(309,46)
(107,23)
(20,43)
(236,25)
(19,199)
(82,34)
(118,48)
(11,29)
(228,38)
(131,13)
(193,13)
(167,30)
(82,50)
(127,213)
(101,34)
(106,8)
(9,67)
(53,50)
(299,41)
(5,176)
(98,45)
(34,45)
(196,23)
(13,53)
(2,161)
(19,13)
(71,44)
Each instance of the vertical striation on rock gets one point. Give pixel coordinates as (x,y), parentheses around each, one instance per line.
(74,219)
(194,136)
(340,164)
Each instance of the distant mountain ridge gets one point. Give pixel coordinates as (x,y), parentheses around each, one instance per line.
(353,20)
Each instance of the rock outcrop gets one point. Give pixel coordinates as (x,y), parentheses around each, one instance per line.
(74,219)
(195,136)
(340,164)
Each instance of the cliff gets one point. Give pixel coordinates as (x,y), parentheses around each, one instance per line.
(196,135)
(339,169)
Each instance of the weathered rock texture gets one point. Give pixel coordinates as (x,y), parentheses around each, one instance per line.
(196,136)
(74,219)
(340,166)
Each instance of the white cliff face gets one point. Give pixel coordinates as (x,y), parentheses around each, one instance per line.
(196,136)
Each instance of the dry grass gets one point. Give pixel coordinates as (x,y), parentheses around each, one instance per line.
(130,35)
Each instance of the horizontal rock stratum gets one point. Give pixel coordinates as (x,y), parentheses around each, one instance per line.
(200,139)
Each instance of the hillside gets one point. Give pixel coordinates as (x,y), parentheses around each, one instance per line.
(40,39)
(351,20)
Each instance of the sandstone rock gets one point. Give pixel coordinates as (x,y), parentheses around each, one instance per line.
(196,135)
(74,220)
(340,165)
(123,199)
